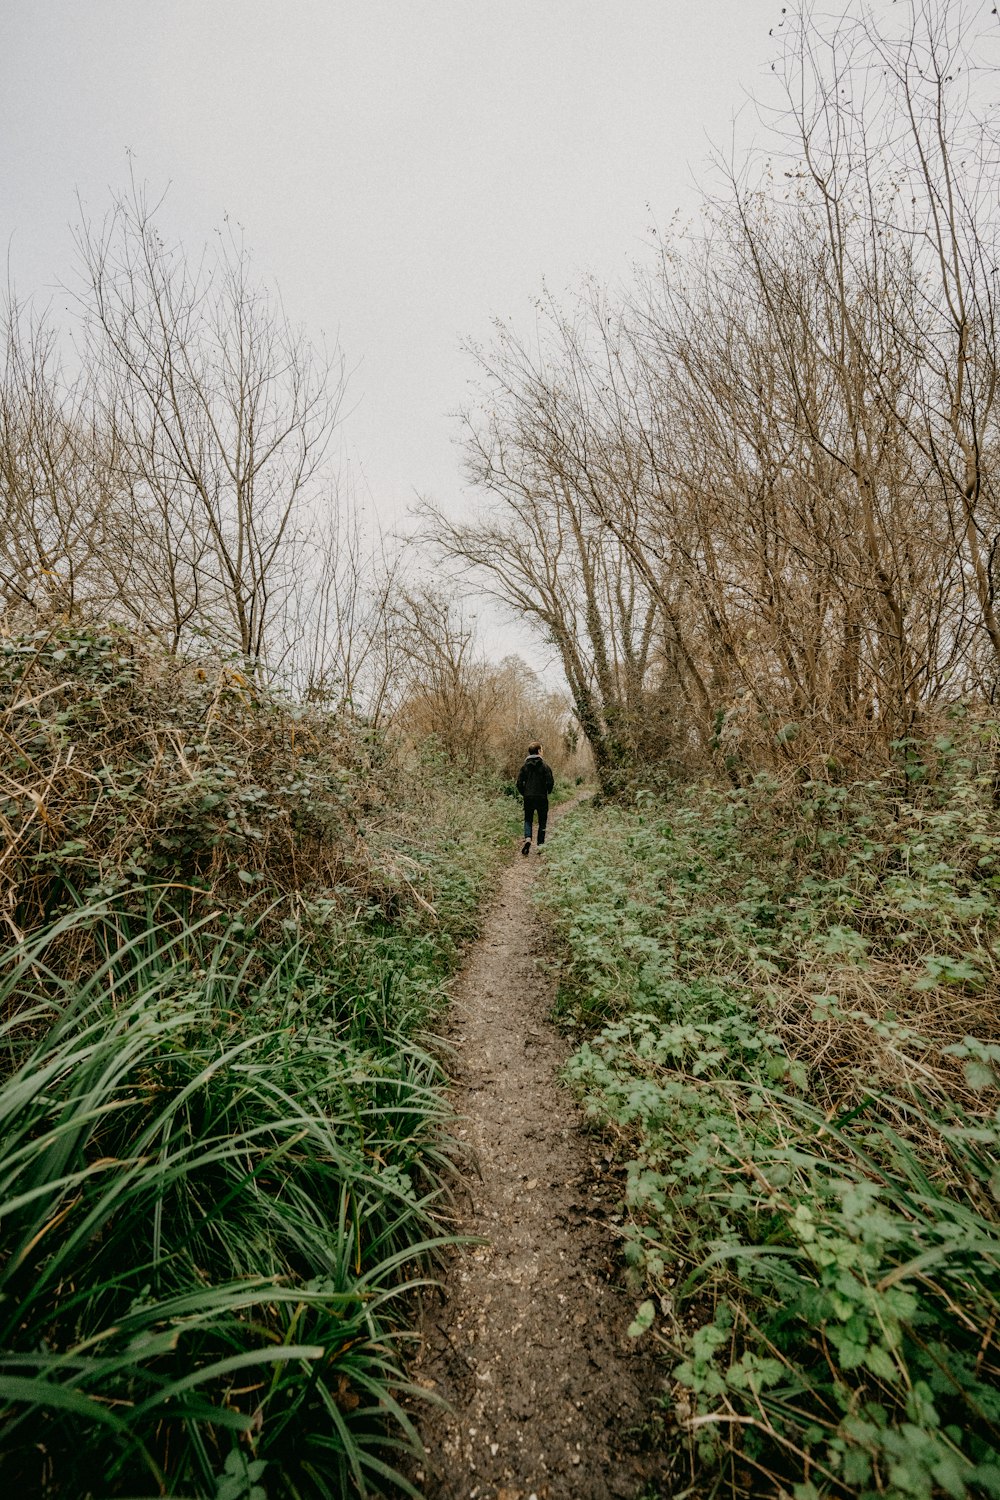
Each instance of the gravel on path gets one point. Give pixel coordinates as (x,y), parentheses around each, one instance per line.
(527,1343)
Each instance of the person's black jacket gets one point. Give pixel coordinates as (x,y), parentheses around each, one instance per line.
(535,779)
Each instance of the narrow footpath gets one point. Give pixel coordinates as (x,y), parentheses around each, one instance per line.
(527,1343)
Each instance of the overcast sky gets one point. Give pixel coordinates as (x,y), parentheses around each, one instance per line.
(404,171)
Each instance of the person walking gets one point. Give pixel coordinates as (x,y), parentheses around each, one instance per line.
(534,782)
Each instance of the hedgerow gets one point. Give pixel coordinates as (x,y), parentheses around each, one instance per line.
(224,1162)
(787,998)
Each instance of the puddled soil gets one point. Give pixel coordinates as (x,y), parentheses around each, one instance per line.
(527,1340)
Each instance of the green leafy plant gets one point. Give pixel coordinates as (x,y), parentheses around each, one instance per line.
(207,1226)
(809,1129)
(224,1155)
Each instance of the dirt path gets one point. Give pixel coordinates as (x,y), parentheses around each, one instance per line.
(528,1343)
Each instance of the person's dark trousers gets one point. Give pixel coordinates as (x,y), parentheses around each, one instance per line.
(539,805)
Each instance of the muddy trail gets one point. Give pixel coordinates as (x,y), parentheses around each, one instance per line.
(527,1340)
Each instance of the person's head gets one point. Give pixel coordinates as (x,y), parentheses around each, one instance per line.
(535,748)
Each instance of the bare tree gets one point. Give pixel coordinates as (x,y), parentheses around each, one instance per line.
(341,643)
(893,130)
(60,493)
(222,414)
(759,492)
(446,693)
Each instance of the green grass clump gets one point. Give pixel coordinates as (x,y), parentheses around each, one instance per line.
(789,1005)
(204,1220)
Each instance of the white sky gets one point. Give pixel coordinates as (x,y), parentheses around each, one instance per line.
(404,171)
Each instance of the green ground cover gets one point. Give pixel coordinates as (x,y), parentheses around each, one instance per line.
(223,1143)
(786,1005)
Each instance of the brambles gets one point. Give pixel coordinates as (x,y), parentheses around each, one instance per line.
(128,768)
(789,1000)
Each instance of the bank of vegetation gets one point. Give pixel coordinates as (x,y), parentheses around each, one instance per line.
(222,1116)
(785,998)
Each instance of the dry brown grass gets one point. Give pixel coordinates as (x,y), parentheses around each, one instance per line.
(875,1030)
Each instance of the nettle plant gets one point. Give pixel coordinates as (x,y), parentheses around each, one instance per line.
(836,1333)
(790,991)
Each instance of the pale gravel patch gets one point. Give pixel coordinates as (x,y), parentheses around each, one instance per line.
(527,1342)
